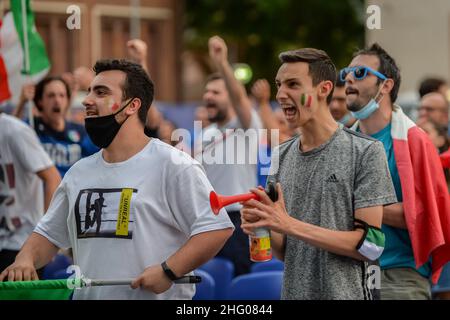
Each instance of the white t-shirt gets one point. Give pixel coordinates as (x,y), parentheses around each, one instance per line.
(165,202)
(21,190)
(230,157)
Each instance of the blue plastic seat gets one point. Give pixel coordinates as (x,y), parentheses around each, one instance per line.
(443,284)
(257,286)
(222,271)
(59,262)
(206,289)
(61,274)
(272,265)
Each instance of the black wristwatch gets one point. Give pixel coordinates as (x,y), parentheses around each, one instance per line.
(169,273)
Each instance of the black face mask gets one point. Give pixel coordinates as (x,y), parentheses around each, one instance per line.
(102,130)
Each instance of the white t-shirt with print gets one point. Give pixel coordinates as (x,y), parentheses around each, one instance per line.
(230,157)
(21,190)
(120,218)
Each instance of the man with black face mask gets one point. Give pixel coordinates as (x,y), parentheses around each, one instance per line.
(138,208)
(416,228)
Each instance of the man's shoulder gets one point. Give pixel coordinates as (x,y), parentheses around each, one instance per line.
(360,141)
(168,155)
(13,126)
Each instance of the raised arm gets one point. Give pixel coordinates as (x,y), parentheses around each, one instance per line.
(218,52)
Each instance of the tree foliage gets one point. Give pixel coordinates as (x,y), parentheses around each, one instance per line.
(258,30)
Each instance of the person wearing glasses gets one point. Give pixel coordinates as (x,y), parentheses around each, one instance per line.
(338,105)
(417,226)
(434,107)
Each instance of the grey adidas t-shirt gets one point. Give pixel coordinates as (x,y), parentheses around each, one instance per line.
(324,187)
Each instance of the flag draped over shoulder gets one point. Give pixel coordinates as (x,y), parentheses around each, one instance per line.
(22,51)
(35,290)
(426,201)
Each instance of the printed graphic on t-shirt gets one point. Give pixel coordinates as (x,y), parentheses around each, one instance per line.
(7,199)
(105,213)
(7,184)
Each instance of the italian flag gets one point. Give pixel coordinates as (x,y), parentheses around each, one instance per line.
(373,244)
(23,57)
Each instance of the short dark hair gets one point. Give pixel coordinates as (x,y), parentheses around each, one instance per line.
(137,82)
(40,88)
(321,68)
(213,76)
(429,85)
(388,67)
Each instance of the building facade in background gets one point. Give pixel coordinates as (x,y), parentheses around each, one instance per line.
(106,26)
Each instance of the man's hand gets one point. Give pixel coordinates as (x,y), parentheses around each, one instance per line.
(20,270)
(265,213)
(27,93)
(218,50)
(137,50)
(153,279)
(261,91)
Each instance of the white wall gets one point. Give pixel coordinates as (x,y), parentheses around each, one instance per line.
(417,34)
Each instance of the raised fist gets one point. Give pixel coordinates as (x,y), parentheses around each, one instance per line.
(218,50)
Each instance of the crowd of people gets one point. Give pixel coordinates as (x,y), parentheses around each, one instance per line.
(359,183)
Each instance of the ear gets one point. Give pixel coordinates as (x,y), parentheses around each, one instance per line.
(324,89)
(134,106)
(387,87)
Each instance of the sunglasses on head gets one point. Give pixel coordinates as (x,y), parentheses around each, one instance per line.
(359,73)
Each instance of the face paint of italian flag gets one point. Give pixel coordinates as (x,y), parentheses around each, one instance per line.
(111,104)
(373,244)
(305,100)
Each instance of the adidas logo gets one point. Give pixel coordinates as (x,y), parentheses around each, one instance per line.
(332,178)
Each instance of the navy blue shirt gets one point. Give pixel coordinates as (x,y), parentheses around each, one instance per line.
(65,147)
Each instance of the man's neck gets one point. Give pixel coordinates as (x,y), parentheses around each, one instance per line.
(56,124)
(129,141)
(377,120)
(317,131)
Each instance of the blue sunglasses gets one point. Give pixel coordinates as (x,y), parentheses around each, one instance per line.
(360,73)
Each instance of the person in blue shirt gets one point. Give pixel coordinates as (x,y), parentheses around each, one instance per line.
(65,142)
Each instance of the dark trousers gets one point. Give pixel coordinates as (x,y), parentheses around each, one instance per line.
(7,258)
(236,248)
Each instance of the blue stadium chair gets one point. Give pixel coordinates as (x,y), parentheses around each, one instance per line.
(61,274)
(257,286)
(443,284)
(204,290)
(272,265)
(222,271)
(59,262)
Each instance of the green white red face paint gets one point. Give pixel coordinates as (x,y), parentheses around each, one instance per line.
(305,100)
(113,106)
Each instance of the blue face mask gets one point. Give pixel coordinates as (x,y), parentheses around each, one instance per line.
(369,108)
(366,112)
(345,119)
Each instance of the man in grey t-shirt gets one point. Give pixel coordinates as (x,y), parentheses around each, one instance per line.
(330,182)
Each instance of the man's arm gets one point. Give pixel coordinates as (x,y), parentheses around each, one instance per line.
(51,179)
(138,51)
(26,95)
(218,52)
(35,253)
(274,216)
(196,251)
(278,244)
(394,216)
